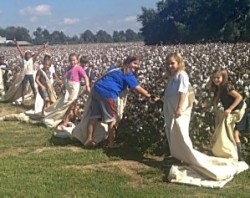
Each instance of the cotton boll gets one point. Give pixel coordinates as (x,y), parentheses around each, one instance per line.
(204,94)
(245,76)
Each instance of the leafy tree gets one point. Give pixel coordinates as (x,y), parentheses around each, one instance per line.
(196,20)
(87,37)
(2,32)
(39,38)
(119,36)
(20,33)
(103,37)
(58,37)
(122,36)
(73,40)
(116,37)
(147,18)
(131,35)
(46,35)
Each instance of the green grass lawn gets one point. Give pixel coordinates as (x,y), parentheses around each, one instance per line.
(33,164)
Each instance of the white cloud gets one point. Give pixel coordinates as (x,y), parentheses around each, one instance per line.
(131,19)
(70,21)
(112,22)
(36,10)
(33,19)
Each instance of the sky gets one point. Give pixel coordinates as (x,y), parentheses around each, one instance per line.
(73,17)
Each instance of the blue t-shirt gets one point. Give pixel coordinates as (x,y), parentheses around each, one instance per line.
(114,82)
(111,67)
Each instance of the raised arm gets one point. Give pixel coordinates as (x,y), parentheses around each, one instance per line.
(43,47)
(19,49)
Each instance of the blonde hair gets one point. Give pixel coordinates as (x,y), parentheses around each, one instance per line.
(177,56)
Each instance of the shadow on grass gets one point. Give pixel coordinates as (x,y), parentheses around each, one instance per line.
(26,107)
(127,153)
(57,141)
(122,152)
(157,162)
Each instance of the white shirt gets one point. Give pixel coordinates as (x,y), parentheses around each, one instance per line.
(29,66)
(177,83)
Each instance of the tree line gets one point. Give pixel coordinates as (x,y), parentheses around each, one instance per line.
(173,21)
(41,36)
(192,21)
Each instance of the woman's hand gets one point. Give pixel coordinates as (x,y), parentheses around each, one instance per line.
(43,88)
(178,112)
(227,112)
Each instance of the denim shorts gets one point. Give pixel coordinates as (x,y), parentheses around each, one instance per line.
(29,78)
(44,94)
(103,108)
(243,124)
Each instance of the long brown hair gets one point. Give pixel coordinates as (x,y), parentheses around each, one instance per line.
(129,60)
(214,89)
